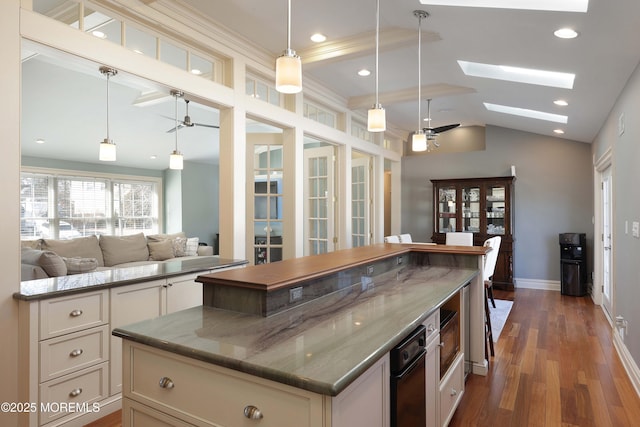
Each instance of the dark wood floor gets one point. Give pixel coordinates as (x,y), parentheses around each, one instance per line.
(555,365)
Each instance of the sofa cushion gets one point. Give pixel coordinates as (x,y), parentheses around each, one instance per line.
(159,251)
(33,244)
(119,249)
(49,261)
(171,236)
(78,265)
(83,247)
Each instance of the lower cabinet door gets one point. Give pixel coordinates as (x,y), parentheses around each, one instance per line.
(451,389)
(135,414)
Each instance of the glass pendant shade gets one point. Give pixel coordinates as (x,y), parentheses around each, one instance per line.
(289,72)
(176,160)
(419,141)
(377,119)
(107,151)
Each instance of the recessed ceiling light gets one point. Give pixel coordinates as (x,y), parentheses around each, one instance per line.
(552,5)
(196,72)
(566,33)
(523,112)
(99,34)
(318,38)
(153,157)
(561,102)
(558,131)
(364,72)
(39,141)
(517,74)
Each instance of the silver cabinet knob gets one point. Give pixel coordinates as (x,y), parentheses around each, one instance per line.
(166,382)
(75,392)
(431,328)
(76,313)
(454,392)
(77,352)
(252,412)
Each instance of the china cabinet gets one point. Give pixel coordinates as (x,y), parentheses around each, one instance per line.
(482,206)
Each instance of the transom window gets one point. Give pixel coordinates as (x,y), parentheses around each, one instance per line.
(66,206)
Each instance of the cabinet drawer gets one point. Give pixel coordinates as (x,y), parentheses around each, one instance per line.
(64,315)
(83,387)
(432,323)
(201,393)
(451,390)
(65,354)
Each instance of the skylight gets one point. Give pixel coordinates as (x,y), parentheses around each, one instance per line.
(551,5)
(520,75)
(523,112)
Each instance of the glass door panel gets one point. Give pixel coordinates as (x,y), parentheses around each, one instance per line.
(319,196)
(446,209)
(471,209)
(495,209)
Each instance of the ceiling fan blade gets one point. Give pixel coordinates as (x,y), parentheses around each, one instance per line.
(206,126)
(181,125)
(445,128)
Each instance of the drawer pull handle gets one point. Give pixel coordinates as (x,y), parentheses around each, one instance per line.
(77,352)
(431,328)
(165,382)
(441,345)
(454,392)
(75,392)
(252,412)
(76,313)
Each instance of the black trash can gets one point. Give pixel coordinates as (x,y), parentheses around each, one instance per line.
(573,264)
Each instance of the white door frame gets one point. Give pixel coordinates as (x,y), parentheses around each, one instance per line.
(600,166)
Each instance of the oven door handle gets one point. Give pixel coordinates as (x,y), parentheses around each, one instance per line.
(411,366)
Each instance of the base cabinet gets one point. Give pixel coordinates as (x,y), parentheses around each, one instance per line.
(67,352)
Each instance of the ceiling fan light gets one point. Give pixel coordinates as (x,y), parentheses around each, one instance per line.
(289,72)
(107,151)
(176,160)
(376,119)
(419,141)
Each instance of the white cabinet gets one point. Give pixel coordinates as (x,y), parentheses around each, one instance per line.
(130,304)
(163,388)
(183,292)
(451,390)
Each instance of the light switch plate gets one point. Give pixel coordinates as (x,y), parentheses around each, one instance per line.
(635,229)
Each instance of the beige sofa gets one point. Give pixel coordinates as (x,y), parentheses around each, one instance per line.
(44,258)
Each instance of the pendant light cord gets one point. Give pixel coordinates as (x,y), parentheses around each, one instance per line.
(289,27)
(419,69)
(377,47)
(176,116)
(107,74)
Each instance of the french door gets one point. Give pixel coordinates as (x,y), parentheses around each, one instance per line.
(607,247)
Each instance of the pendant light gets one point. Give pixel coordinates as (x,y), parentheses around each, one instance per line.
(107,147)
(289,65)
(377,121)
(419,139)
(176,160)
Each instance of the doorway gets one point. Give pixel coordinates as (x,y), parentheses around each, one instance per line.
(604,245)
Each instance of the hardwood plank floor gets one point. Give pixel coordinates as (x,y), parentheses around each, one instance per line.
(555,365)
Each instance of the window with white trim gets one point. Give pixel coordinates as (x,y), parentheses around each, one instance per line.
(61,206)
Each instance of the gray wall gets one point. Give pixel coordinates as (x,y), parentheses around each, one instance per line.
(626,207)
(553,192)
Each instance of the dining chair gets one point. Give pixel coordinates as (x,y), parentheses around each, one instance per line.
(392,239)
(487,277)
(405,238)
(459,239)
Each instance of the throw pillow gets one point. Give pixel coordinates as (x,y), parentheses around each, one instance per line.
(179,246)
(49,261)
(79,265)
(192,246)
(159,251)
(120,249)
(83,247)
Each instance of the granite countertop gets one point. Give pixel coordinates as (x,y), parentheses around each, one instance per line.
(322,345)
(76,283)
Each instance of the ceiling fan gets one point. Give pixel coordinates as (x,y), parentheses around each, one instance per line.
(186,122)
(433,132)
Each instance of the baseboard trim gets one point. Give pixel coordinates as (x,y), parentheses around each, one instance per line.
(547,285)
(628,363)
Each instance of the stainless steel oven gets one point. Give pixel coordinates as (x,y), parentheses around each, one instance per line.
(408,381)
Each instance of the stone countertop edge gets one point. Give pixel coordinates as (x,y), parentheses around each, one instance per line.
(170,342)
(53,287)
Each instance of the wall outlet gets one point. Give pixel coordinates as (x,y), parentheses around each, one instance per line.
(399,261)
(370,270)
(295,294)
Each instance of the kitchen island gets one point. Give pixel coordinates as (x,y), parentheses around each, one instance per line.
(331,337)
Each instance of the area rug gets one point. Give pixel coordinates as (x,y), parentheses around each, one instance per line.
(499,316)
